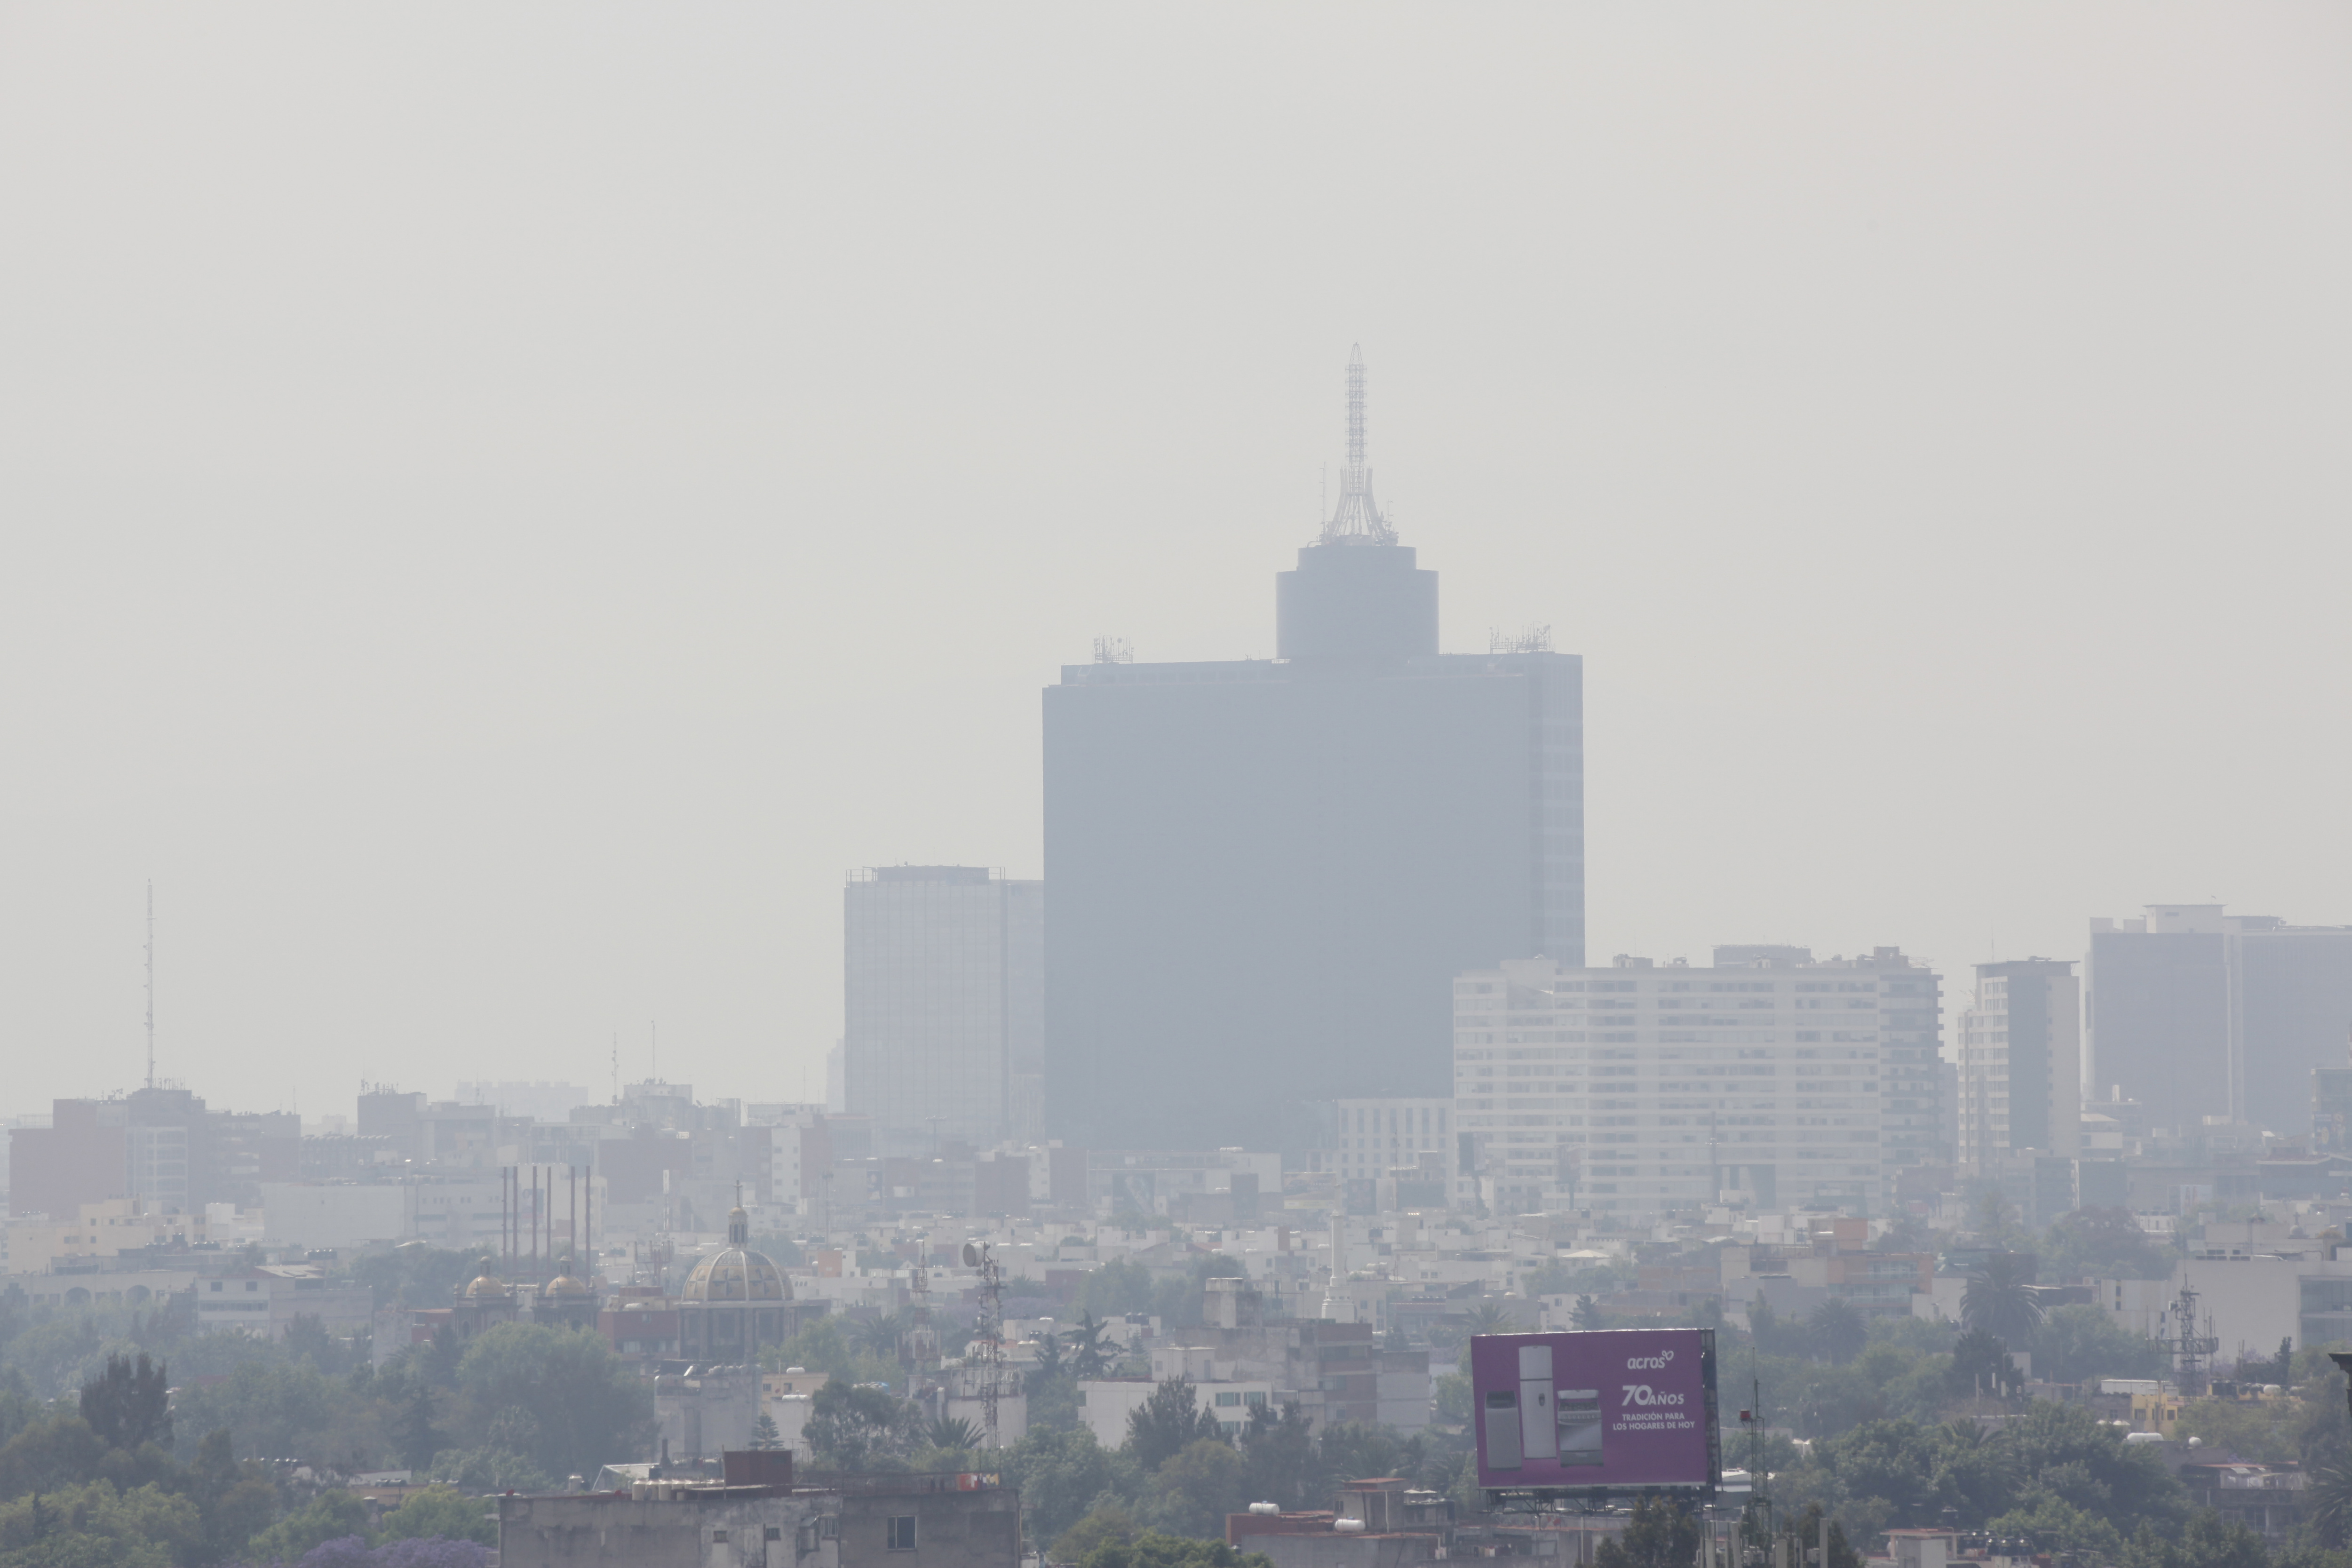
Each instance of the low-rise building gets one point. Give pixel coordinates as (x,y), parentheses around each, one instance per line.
(266,1301)
(761,1515)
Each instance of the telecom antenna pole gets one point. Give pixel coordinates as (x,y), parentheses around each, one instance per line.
(979,1255)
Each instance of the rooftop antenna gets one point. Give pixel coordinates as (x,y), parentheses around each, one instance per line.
(151,983)
(1357,520)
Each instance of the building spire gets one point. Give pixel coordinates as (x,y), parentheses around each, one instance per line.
(1358,519)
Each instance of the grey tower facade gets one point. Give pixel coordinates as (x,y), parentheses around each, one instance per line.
(2196,1013)
(942,1016)
(1266,873)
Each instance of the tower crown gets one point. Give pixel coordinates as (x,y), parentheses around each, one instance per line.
(1357,520)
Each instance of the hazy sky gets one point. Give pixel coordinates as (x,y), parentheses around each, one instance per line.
(502,506)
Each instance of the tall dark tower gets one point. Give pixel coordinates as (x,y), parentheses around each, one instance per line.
(1266,873)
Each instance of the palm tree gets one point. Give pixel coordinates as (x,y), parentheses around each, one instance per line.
(2328,1503)
(880,1334)
(2000,1299)
(1491,1318)
(1838,1330)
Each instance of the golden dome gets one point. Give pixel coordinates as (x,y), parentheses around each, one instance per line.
(564,1285)
(737,1274)
(485,1287)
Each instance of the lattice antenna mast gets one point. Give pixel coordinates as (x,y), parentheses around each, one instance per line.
(151,983)
(1357,520)
(990,1331)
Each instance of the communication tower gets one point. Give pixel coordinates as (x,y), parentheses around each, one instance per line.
(990,1332)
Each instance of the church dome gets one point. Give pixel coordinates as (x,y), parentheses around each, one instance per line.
(735,1272)
(485,1286)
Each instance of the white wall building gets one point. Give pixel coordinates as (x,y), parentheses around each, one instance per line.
(1378,1136)
(1640,1089)
(944,1006)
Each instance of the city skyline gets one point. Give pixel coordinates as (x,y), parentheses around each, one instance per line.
(475,687)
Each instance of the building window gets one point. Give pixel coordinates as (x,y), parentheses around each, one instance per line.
(902,1532)
(718,1538)
(1229,1398)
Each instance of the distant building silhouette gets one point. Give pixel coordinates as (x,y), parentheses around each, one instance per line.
(942,1038)
(2195,1012)
(1266,872)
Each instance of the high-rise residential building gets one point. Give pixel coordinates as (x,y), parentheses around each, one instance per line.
(2195,1013)
(944,971)
(1643,1088)
(2020,1065)
(1266,872)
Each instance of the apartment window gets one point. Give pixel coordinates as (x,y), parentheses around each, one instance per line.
(718,1538)
(902,1532)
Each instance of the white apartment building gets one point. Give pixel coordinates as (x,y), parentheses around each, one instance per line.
(1639,1088)
(2022,1064)
(1379,1136)
(944,1006)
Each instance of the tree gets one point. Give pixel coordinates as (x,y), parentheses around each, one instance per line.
(1109,1523)
(855,1429)
(1278,1454)
(1153,1549)
(129,1403)
(1661,1535)
(1491,1318)
(2079,1342)
(1999,1298)
(419,1440)
(1980,1363)
(235,1500)
(1171,1420)
(765,1434)
(2327,1502)
(1050,1360)
(331,1516)
(441,1511)
(1118,1287)
(586,1406)
(1088,1358)
(1061,1475)
(1838,1331)
(882,1334)
(1588,1313)
(2104,1243)
(1197,1488)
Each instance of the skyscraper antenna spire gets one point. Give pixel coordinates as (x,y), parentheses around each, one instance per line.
(1357,520)
(151,983)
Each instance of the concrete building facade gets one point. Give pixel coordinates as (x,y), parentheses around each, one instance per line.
(944,1004)
(2196,1013)
(1266,872)
(2020,1065)
(1640,1089)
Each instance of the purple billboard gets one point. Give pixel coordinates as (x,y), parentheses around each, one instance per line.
(1609,1407)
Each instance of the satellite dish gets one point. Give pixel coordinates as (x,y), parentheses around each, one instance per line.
(971,1255)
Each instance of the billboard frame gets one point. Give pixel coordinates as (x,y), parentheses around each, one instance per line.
(1563,1499)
